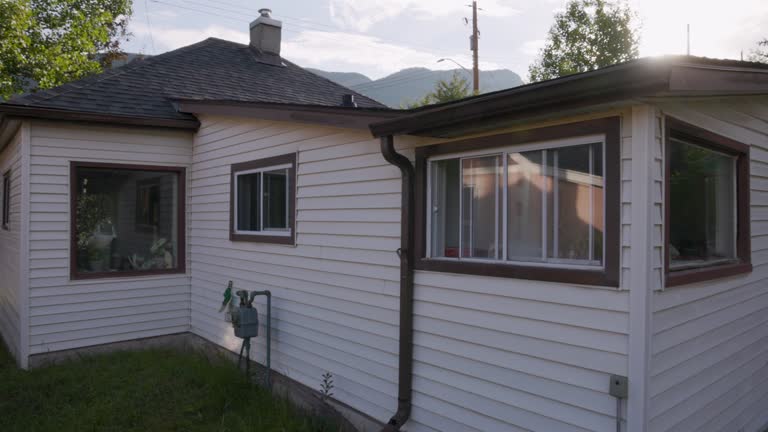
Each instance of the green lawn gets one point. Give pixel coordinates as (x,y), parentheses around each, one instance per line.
(142,391)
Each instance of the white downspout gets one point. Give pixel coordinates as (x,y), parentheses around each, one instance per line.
(24,238)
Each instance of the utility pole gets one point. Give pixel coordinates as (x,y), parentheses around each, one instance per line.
(474,46)
(688,40)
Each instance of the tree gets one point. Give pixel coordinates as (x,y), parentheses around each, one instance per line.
(45,43)
(445,91)
(760,54)
(588,35)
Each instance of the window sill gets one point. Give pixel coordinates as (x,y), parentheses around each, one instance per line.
(703,274)
(261,238)
(125,274)
(538,273)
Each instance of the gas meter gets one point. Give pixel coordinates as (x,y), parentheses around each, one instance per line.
(245,321)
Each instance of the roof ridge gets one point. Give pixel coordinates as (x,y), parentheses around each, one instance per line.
(209,69)
(111,73)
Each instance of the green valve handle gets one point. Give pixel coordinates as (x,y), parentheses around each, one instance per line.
(227,297)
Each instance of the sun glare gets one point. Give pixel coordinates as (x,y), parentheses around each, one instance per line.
(718,29)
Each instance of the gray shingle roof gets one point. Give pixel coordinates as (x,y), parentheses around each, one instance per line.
(213,69)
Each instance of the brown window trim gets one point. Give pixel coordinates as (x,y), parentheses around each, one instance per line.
(181,221)
(6,204)
(675,128)
(261,163)
(608,276)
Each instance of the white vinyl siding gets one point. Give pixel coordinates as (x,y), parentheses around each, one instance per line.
(510,354)
(69,314)
(10,250)
(708,369)
(490,353)
(335,294)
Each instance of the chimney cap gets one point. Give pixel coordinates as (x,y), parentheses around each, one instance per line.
(265,12)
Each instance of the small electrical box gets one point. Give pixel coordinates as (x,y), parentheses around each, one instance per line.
(246,323)
(619,387)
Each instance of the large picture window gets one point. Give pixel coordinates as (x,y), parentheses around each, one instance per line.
(536,204)
(549,201)
(707,205)
(263,195)
(127,220)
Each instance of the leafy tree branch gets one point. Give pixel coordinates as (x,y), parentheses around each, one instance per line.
(46,43)
(588,35)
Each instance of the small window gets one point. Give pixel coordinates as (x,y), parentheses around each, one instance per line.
(708,210)
(263,200)
(127,220)
(536,204)
(6,201)
(703,206)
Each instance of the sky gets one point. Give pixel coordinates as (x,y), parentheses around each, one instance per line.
(379,37)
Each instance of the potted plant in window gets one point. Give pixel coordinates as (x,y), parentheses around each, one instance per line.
(93,214)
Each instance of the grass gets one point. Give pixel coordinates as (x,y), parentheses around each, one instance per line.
(153,390)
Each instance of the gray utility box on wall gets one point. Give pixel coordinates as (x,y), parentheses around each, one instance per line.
(246,323)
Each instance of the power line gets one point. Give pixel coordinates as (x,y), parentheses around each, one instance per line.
(305,24)
(397,81)
(475,46)
(361,88)
(149,25)
(200,11)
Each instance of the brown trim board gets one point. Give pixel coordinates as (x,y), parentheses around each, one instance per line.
(353,118)
(261,163)
(608,276)
(8,130)
(5,205)
(687,132)
(181,229)
(647,77)
(19,111)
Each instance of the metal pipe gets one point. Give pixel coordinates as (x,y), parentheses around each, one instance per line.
(406,254)
(268,294)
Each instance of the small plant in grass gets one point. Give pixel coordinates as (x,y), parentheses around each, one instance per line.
(326,387)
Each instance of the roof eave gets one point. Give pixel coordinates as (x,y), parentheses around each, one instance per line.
(22,111)
(345,117)
(598,87)
(644,78)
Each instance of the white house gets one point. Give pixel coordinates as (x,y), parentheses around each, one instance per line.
(483,265)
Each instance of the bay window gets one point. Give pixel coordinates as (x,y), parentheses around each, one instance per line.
(126,220)
(707,205)
(530,204)
(262,194)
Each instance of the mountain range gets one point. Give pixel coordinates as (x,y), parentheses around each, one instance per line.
(400,88)
(412,84)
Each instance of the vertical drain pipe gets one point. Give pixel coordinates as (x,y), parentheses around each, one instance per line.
(405,252)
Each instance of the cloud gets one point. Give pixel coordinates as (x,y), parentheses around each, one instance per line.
(341,51)
(335,51)
(164,13)
(170,38)
(360,15)
(532,47)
